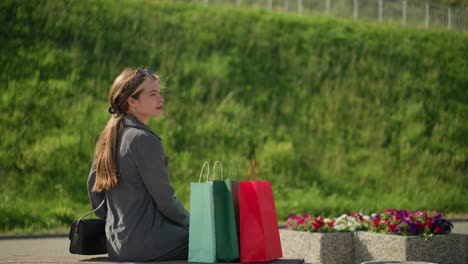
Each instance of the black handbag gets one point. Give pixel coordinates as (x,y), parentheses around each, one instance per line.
(88,236)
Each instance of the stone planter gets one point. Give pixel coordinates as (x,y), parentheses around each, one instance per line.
(323,248)
(442,249)
(359,247)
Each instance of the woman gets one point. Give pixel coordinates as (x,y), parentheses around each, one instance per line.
(144,220)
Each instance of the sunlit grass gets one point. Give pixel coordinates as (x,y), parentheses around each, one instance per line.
(342,115)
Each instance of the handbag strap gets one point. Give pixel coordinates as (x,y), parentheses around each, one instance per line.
(92,212)
(77,226)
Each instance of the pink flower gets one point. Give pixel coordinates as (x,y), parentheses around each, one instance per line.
(397,217)
(292,219)
(419,227)
(307,216)
(392,227)
(385,221)
(358,216)
(428,218)
(376,222)
(318,222)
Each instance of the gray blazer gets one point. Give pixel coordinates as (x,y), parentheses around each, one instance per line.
(144,220)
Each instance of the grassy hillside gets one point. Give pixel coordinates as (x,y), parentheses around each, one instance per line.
(342,115)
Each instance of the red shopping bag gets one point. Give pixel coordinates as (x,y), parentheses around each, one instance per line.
(259,233)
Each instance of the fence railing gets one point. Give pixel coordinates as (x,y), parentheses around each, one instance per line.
(414,13)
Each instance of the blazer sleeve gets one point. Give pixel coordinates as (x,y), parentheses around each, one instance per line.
(150,160)
(96,197)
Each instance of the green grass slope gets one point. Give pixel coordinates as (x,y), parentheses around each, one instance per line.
(342,115)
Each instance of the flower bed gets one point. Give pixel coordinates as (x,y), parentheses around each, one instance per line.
(390,221)
(344,223)
(404,222)
(399,235)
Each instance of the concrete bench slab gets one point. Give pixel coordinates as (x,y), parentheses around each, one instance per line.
(79,259)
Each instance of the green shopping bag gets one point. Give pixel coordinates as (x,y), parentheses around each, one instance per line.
(233,187)
(227,241)
(202,239)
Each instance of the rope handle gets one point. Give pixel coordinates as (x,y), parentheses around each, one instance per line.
(252,164)
(201,172)
(220,162)
(229,168)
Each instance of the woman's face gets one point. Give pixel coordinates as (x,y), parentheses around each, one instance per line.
(149,103)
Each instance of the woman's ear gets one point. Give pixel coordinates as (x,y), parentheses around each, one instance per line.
(131,101)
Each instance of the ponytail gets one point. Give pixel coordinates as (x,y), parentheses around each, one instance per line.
(107,171)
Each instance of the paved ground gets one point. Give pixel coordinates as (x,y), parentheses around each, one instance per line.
(55,249)
(34,246)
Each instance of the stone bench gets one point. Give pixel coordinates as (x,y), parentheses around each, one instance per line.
(79,259)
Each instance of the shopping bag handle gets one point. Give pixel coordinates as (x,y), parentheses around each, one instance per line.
(220,162)
(229,168)
(207,174)
(252,164)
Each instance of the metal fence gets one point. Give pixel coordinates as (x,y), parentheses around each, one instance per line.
(414,13)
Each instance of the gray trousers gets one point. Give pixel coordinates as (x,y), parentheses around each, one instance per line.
(180,253)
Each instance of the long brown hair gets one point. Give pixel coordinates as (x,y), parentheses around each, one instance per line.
(129,83)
